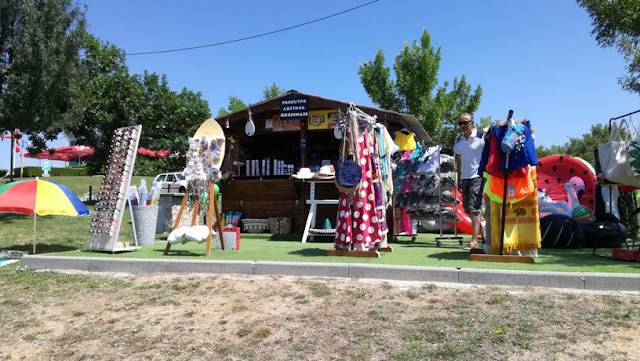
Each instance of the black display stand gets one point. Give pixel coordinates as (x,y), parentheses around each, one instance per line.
(442,203)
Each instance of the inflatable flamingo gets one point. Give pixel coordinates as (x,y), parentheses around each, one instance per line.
(570,207)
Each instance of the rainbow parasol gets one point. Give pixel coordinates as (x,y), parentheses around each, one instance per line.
(40,197)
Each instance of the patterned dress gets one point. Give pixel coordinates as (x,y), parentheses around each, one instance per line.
(358,221)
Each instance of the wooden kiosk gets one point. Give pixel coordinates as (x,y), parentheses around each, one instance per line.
(292,131)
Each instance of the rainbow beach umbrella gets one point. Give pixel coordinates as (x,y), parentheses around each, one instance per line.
(40,197)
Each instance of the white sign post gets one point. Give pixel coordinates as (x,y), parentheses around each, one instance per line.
(46,167)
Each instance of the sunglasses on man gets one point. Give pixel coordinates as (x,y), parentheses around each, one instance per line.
(464,122)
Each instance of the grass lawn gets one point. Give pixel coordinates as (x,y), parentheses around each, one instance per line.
(70,235)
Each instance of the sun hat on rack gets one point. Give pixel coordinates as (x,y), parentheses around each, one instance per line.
(304,173)
(325,172)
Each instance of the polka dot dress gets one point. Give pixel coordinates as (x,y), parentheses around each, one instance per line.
(358,222)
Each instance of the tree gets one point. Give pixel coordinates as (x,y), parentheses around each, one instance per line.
(236,103)
(542,151)
(108,97)
(484,122)
(416,91)
(581,147)
(584,146)
(272,91)
(616,23)
(39,50)
(168,122)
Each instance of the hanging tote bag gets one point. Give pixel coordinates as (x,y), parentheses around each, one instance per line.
(348,169)
(614,155)
(634,153)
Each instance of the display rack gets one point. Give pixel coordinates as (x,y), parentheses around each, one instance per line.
(403,196)
(441,203)
(105,228)
(204,159)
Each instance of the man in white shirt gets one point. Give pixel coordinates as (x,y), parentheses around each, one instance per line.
(468,150)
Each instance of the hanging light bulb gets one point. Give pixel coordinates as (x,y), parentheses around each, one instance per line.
(226,123)
(250,128)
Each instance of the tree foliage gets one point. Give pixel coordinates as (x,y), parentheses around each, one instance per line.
(272,91)
(39,50)
(236,103)
(416,90)
(108,97)
(581,147)
(616,23)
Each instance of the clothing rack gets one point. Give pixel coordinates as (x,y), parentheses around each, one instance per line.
(502,257)
(371,239)
(608,184)
(504,195)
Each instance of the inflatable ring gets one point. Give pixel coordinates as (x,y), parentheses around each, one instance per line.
(555,170)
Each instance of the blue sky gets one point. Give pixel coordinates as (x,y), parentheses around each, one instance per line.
(535,57)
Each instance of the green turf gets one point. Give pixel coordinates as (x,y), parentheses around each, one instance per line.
(69,236)
(422,252)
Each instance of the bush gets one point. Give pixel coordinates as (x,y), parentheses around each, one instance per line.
(3,172)
(56,172)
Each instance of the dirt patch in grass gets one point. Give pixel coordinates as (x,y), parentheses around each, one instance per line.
(77,316)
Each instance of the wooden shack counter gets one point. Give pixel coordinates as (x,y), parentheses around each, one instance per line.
(281,141)
(278,196)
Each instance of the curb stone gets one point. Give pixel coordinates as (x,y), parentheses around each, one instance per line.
(470,276)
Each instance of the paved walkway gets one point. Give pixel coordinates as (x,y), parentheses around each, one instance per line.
(474,276)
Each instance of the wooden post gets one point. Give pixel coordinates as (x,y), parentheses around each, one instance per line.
(210,219)
(196,209)
(218,219)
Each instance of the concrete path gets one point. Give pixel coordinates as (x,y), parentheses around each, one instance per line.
(471,276)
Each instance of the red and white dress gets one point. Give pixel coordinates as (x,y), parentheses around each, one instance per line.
(358,223)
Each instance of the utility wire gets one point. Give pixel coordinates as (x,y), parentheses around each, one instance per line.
(253,36)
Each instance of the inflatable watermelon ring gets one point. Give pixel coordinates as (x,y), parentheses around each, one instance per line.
(555,170)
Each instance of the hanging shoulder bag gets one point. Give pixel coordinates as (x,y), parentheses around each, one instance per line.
(348,169)
(614,155)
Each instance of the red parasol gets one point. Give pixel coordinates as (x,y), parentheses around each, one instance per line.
(73,152)
(65,153)
(152,153)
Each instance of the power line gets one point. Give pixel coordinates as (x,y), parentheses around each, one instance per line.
(253,36)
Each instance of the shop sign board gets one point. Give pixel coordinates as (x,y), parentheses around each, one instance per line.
(294,108)
(322,119)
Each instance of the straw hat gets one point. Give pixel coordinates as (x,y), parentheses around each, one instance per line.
(304,173)
(325,172)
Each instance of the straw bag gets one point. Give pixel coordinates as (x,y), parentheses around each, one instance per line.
(614,155)
(348,169)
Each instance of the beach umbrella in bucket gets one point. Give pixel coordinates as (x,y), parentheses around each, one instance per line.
(40,197)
